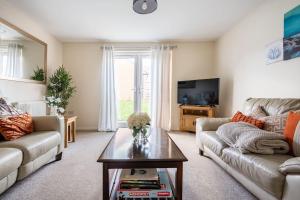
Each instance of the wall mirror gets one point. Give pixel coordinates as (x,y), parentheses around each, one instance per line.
(23,57)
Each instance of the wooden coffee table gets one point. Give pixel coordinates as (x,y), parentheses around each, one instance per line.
(159,152)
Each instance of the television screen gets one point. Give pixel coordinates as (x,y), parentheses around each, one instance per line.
(198,92)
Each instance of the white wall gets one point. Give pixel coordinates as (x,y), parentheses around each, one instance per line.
(21,91)
(83,60)
(240,59)
(194,60)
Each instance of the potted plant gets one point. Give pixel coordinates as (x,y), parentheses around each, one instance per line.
(38,74)
(59,90)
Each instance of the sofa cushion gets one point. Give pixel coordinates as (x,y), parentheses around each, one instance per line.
(10,160)
(7,110)
(290,132)
(272,106)
(240,117)
(35,144)
(275,123)
(16,126)
(211,140)
(261,169)
(258,113)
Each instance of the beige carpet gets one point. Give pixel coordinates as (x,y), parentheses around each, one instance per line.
(78,175)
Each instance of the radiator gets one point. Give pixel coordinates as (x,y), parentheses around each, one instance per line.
(35,108)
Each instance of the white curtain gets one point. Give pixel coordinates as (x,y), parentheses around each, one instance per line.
(2,60)
(108,102)
(14,66)
(161,87)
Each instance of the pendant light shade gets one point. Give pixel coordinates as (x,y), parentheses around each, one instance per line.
(144,6)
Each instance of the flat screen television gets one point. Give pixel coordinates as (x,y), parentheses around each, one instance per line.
(203,92)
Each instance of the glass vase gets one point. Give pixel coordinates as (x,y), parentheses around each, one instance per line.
(140,135)
(53,111)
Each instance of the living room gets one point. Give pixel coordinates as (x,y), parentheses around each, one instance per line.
(130,62)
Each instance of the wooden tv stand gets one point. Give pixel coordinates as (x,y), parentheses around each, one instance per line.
(189,114)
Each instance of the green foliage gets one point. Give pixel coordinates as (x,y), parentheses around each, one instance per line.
(61,87)
(38,74)
(126,108)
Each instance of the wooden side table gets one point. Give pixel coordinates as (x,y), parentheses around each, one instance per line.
(70,129)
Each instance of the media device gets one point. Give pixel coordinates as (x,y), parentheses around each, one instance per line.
(203,92)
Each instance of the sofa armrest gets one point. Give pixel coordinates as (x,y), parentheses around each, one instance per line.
(291,166)
(210,124)
(46,123)
(51,123)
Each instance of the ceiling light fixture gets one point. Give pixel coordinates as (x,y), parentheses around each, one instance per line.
(144,6)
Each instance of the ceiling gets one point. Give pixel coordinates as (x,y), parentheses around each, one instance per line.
(114,20)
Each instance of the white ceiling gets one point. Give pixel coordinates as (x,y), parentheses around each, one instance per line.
(114,20)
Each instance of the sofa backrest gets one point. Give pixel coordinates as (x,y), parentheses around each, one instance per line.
(273,106)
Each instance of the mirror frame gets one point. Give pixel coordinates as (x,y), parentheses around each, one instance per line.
(10,25)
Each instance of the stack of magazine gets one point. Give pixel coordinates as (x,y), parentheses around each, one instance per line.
(144,184)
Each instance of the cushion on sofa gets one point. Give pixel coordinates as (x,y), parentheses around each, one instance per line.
(7,110)
(262,169)
(35,144)
(10,160)
(291,133)
(240,117)
(258,113)
(291,166)
(211,140)
(14,127)
(275,123)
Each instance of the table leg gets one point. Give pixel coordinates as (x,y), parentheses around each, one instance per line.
(69,132)
(179,181)
(105,182)
(74,131)
(66,135)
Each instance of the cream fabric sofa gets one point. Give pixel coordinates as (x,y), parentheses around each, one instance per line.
(19,158)
(268,177)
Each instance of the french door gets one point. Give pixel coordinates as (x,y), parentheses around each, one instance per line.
(133,84)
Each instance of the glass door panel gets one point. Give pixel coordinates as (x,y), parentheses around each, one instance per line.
(125,85)
(145,84)
(133,84)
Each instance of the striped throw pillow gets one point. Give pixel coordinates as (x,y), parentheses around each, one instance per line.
(240,117)
(14,127)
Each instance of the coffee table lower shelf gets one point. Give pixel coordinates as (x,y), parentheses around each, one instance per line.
(116,178)
(109,190)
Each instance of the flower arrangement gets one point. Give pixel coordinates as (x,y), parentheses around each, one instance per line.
(54,103)
(139,122)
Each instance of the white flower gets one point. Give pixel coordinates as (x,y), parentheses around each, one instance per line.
(58,100)
(50,99)
(61,110)
(138,120)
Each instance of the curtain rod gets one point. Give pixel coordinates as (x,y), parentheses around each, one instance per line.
(139,47)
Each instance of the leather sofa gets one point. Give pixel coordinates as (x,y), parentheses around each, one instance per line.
(21,157)
(268,177)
